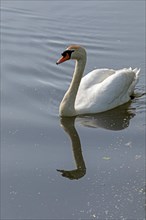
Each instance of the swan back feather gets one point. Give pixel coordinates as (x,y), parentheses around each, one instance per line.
(107,91)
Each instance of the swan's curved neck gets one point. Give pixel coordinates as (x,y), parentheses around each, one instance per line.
(67,105)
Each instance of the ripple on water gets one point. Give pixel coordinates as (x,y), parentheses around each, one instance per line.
(33,36)
(32,44)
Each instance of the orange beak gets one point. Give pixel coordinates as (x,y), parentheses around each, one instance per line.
(63,59)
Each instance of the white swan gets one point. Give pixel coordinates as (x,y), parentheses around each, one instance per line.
(98,91)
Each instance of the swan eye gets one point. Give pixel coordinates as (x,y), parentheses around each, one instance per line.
(67,52)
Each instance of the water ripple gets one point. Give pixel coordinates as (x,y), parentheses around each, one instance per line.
(32,43)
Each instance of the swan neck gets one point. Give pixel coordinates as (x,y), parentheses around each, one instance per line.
(67,106)
(78,72)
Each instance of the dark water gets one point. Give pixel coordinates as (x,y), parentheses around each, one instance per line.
(90,167)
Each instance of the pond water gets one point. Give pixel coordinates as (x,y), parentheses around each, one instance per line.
(90,167)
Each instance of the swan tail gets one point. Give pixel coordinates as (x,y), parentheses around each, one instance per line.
(135,81)
(137,72)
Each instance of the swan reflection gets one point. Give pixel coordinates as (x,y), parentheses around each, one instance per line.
(68,126)
(116,119)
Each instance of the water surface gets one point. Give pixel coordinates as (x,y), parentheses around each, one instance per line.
(89,167)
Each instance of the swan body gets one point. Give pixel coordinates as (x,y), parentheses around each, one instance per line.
(98,91)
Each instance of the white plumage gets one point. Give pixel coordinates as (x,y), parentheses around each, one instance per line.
(99,90)
(104,89)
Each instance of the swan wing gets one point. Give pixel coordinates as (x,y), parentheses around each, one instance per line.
(106,92)
(94,77)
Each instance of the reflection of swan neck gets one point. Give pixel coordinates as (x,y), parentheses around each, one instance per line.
(76,147)
(68,125)
(68,102)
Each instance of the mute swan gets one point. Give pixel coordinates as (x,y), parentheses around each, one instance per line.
(98,91)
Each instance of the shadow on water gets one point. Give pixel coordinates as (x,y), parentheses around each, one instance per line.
(116,119)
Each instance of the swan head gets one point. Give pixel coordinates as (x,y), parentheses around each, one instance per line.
(73,52)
